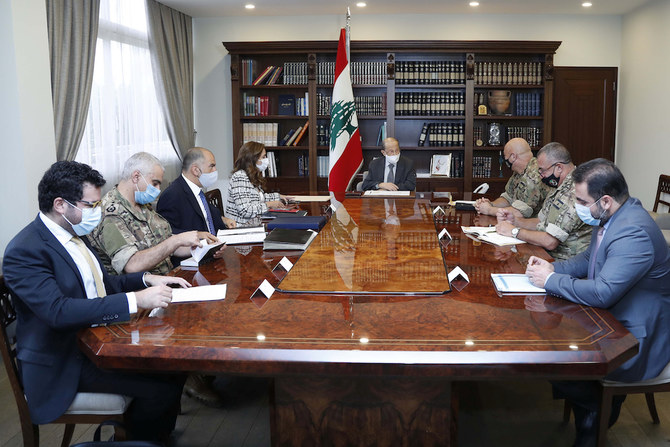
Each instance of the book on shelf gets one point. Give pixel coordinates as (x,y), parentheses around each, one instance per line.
(301,134)
(440,164)
(303,165)
(423,135)
(272,166)
(381,136)
(263,76)
(265,133)
(294,136)
(287,137)
(288,239)
(286,105)
(275,75)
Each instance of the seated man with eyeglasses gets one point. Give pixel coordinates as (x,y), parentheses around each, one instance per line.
(557,227)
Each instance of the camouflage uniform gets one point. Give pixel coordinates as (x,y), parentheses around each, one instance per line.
(124,231)
(525,191)
(559,218)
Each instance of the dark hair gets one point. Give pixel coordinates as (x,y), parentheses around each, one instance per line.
(249,154)
(66,179)
(602,177)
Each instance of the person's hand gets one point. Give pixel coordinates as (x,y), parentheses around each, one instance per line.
(187,239)
(229,223)
(209,237)
(505,228)
(537,270)
(505,215)
(275,204)
(218,254)
(483,205)
(158,280)
(153,297)
(388,186)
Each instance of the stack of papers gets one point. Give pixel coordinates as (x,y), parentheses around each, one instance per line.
(514,283)
(249,235)
(381,192)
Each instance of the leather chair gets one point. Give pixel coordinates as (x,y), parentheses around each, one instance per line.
(87,408)
(359,185)
(610,389)
(662,219)
(214,198)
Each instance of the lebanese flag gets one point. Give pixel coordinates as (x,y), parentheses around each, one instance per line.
(346,154)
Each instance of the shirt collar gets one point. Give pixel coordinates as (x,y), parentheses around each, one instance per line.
(194,188)
(59,232)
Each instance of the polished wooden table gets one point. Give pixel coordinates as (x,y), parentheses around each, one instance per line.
(366,345)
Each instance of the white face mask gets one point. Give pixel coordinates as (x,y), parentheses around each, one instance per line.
(263,164)
(393,159)
(207,179)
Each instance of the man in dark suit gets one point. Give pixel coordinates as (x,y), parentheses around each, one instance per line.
(183,203)
(625,270)
(59,287)
(391,173)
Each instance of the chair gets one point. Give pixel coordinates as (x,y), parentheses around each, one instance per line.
(87,408)
(214,198)
(359,185)
(663,188)
(610,389)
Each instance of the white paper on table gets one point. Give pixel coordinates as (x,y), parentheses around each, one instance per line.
(465,202)
(456,272)
(250,235)
(381,192)
(310,198)
(514,283)
(200,252)
(199,293)
(240,230)
(499,239)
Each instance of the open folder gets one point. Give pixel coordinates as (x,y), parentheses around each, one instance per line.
(514,284)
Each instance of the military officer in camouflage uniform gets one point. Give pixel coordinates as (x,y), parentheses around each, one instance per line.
(132,237)
(557,227)
(524,190)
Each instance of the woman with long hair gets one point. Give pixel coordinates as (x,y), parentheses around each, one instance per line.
(246,198)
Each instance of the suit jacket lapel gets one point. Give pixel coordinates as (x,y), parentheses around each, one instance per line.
(191,199)
(51,241)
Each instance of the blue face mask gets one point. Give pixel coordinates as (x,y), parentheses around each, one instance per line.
(584,213)
(148,195)
(90,218)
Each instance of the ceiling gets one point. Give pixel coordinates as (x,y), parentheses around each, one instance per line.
(223,8)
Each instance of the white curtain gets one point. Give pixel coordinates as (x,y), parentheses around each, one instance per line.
(124,115)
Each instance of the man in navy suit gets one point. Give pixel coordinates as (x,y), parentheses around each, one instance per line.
(626,270)
(391,173)
(183,203)
(59,287)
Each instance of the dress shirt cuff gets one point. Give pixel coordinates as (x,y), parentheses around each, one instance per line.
(544,286)
(144,275)
(132,303)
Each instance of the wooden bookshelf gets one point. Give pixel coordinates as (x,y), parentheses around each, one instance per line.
(380,70)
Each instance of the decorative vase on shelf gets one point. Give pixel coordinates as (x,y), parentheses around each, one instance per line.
(499,101)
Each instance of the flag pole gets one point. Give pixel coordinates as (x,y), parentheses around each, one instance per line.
(347,32)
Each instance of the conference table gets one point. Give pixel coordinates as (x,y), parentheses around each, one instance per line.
(365,337)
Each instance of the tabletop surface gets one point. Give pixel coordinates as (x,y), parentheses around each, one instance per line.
(382,246)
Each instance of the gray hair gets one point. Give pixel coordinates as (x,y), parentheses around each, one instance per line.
(141,161)
(556,153)
(193,155)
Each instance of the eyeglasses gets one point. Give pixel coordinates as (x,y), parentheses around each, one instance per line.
(95,204)
(542,171)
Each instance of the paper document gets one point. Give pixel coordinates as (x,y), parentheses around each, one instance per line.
(499,239)
(200,293)
(310,198)
(478,230)
(514,283)
(381,192)
(242,235)
(199,253)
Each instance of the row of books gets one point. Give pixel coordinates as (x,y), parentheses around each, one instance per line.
(322,165)
(294,136)
(362,73)
(481,166)
(303,165)
(430,72)
(533,135)
(442,134)
(447,165)
(430,104)
(290,105)
(295,73)
(270,76)
(272,166)
(255,105)
(370,105)
(510,73)
(528,104)
(323,103)
(323,135)
(265,133)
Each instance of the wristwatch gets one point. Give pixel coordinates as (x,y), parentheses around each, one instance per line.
(515,231)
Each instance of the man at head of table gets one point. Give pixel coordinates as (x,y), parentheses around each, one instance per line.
(524,190)
(391,173)
(557,227)
(625,270)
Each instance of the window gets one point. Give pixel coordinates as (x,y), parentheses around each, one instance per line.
(124,116)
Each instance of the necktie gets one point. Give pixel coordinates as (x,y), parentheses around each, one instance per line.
(99,286)
(208,214)
(594,252)
(391,176)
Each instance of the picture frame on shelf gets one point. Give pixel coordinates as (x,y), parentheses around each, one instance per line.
(440,165)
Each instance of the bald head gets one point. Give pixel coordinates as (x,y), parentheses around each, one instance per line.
(517,152)
(198,161)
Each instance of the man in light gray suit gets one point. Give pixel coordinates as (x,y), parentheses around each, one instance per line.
(626,270)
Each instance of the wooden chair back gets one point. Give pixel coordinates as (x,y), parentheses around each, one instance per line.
(214,198)
(663,188)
